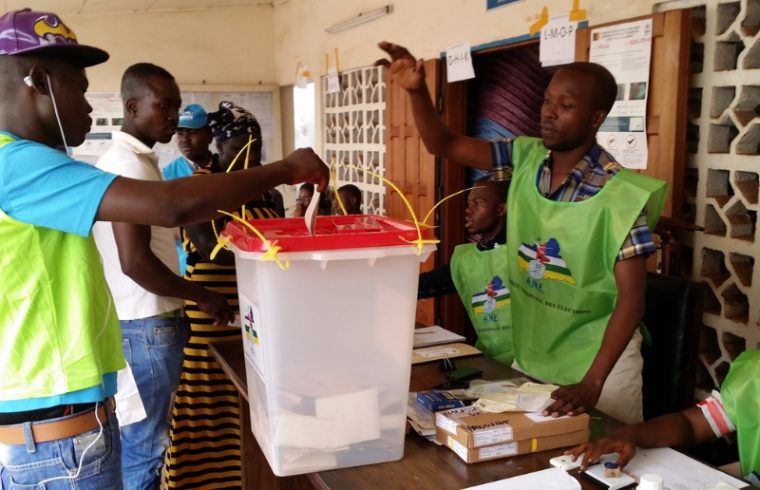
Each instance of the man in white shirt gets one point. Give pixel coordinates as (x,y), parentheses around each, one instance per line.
(140,264)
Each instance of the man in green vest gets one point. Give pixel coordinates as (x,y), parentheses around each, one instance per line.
(478,271)
(61,343)
(734,409)
(579,234)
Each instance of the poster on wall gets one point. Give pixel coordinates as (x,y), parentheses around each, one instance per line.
(108,116)
(625,50)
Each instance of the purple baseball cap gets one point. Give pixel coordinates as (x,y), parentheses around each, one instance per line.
(28,32)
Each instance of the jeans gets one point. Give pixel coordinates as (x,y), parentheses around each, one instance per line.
(52,465)
(153,347)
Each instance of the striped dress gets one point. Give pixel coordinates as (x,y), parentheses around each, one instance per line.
(204,449)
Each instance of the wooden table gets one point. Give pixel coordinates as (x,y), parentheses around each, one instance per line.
(424,465)
(256,471)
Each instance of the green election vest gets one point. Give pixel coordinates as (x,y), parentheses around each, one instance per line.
(58,324)
(561,259)
(740,395)
(481,279)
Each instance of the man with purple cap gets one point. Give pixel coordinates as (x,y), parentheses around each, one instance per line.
(61,343)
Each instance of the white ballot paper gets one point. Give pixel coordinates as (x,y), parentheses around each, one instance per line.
(550,479)
(129,405)
(679,471)
(435,335)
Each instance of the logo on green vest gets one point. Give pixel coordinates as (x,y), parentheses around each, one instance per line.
(543,261)
(494,297)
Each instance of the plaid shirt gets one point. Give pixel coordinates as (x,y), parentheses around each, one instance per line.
(585,180)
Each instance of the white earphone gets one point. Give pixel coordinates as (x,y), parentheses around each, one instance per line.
(28,80)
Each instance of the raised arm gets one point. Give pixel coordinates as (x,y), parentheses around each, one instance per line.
(192,200)
(438,139)
(630,277)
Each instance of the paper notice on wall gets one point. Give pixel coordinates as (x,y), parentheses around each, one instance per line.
(303,76)
(459,63)
(557,45)
(333,81)
(625,50)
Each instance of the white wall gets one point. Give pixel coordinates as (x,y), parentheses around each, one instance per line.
(426,27)
(231,46)
(244,46)
(263,44)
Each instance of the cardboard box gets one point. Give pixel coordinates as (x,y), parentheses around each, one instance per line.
(473,428)
(514,448)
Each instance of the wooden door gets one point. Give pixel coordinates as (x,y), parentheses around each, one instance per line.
(424,180)
(409,166)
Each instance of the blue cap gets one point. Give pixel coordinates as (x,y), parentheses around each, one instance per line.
(193,117)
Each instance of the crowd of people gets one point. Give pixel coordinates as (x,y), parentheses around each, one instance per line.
(97,302)
(576,299)
(72,333)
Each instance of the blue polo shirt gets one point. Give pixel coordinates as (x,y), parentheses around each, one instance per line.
(177,168)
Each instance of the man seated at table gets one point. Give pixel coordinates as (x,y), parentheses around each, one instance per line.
(351,197)
(734,409)
(478,271)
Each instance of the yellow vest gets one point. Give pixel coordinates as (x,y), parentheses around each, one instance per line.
(58,326)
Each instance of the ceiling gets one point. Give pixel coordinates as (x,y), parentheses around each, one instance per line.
(64,7)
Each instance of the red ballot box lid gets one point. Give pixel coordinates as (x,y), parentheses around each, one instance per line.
(332,233)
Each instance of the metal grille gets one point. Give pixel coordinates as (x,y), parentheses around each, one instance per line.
(722,179)
(354,133)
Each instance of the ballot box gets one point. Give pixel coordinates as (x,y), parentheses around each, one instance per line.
(328,322)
